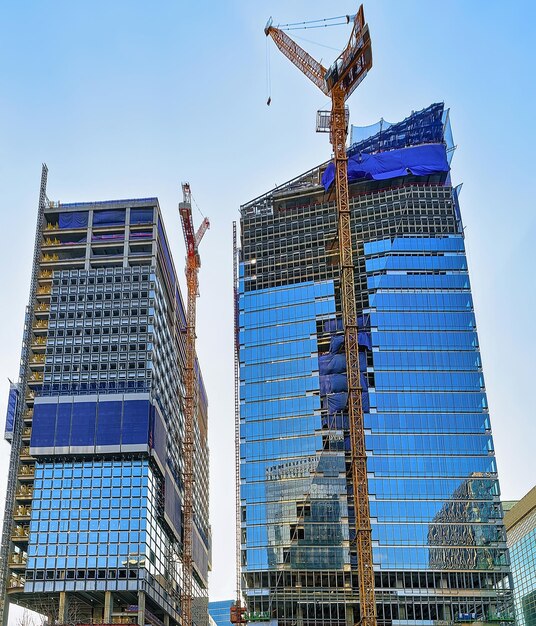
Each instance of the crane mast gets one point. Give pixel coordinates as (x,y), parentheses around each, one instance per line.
(339,81)
(193,263)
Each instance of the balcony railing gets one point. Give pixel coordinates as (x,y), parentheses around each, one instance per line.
(22,510)
(20,533)
(15,582)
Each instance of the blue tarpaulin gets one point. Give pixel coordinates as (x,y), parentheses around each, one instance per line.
(365,402)
(337,402)
(417,160)
(363,321)
(329,363)
(333,383)
(141,216)
(109,218)
(364,340)
(336,344)
(74,219)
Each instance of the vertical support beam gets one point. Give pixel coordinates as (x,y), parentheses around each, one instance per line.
(127,238)
(141,608)
(63,608)
(299,615)
(355,407)
(108,607)
(89,238)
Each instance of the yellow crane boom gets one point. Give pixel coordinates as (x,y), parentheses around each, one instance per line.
(193,263)
(338,82)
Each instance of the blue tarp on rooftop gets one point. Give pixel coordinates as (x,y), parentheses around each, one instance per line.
(417,160)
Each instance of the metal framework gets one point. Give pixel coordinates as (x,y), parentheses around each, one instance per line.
(237,609)
(193,263)
(339,82)
(16,442)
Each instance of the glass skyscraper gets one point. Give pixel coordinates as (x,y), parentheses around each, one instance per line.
(439,543)
(219,610)
(520,522)
(93,527)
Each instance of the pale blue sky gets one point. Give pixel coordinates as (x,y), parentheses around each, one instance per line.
(127,99)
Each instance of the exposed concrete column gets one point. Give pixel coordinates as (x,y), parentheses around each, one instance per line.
(108,607)
(63,609)
(141,608)
(349,615)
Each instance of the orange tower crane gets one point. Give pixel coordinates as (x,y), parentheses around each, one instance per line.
(338,82)
(193,263)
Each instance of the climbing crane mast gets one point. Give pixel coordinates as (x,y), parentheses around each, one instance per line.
(338,82)
(193,263)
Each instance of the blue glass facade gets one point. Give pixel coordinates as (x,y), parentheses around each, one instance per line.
(284,451)
(521,528)
(428,428)
(91,514)
(439,544)
(219,611)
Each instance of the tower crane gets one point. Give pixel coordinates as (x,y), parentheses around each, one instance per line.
(338,82)
(193,263)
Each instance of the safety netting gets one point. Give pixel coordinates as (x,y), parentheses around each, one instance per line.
(417,160)
(421,127)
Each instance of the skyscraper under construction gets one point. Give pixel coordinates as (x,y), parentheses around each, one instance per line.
(93,526)
(439,545)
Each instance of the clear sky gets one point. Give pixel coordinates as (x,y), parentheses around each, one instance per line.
(127,99)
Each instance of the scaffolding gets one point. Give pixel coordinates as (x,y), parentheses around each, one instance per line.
(17,447)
